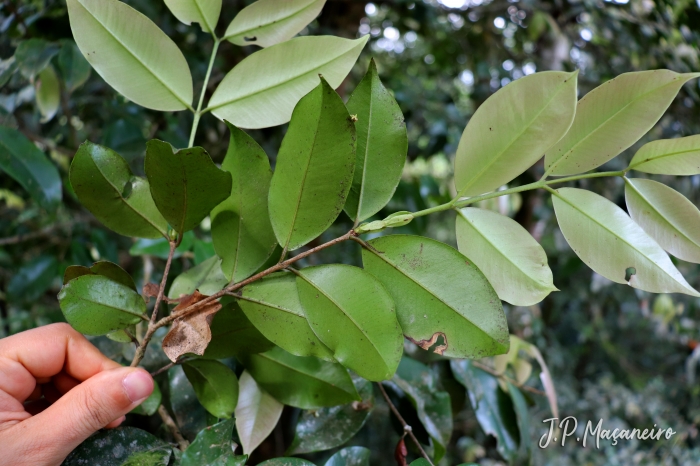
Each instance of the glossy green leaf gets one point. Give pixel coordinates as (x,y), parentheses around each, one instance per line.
(666,215)
(213,447)
(269,22)
(47,93)
(75,70)
(327,428)
(240,227)
(233,334)
(188,412)
(123,336)
(353,315)
(204,12)
(314,168)
(96,305)
(104,268)
(382,143)
(206,277)
(215,385)
(119,447)
(612,117)
(150,405)
(105,185)
(185,184)
(351,456)
(257,413)
(131,53)
(27,165)
(610,243)
(432,405)
(263,89)
(33,55)
(160,247)
(680,156)
(511,130)
(302,382)
(32,279)
(286,462)
(514,263)
(272,305)
(439,293)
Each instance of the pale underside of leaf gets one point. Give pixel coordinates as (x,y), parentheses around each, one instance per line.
(257,413)
(679,156)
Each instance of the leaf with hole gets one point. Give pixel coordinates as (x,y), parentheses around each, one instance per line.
(353,315)
(215,385)
(666,215)
(314,168)
(612,117)
(185,184)
(263,89)
(514,263)
(204,12)
(96,305)
(240,227)
(27,165)
(609,242)
(382,144)
(302,382)
(269,22)
(512,129)
(105,185)
(680,156)
(257,413)
(131,53)
(439,293)
(272,304)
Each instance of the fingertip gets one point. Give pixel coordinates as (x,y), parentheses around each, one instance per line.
(138,385)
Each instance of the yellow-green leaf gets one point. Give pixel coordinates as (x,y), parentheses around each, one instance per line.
(679,156)
(204,12)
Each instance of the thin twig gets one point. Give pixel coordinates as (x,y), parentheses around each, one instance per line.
(486,368)
(172,426)
(406,428)
(164,368)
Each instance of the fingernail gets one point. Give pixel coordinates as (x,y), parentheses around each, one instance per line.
(138,385)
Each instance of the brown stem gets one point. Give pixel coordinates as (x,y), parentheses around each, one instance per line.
(172,426)
(164,368)
(486,368)
(141,350)
(406,428)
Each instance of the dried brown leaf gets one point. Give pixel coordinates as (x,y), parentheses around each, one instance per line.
(190,334)
(150,290)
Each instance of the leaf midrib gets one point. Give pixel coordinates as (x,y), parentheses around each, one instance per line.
(358,215)
(77,296)
(264,25)
(270,305)
(652,158)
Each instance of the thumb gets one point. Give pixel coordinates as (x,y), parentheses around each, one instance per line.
(87,408)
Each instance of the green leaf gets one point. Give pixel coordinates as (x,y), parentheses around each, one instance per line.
(382,143)
(213,447)
(679,156)
(202,250)
(232,334)
(493,407)
(514,263)
(439,292)
(47,93)
(269,22)
(612,117)
(272,305)
(327,428)
(257,413)
(33,55)
(240,227)
(8,67)
(32,279)
(189,414)
(160,247)
(105,185)
(185,184)
(302,382)
(511,130)
(205,277)
(262,90)
(27,165)
(131,53)
(215,385)
(314,168)
(524,420)
(666,215)
(104,268)
(150,405)
(96,305)
(204,12)
(432,405)
(420,462)
(351,456)
(286,462)
(352,314)
(610,243)
(119,447)
(75,70)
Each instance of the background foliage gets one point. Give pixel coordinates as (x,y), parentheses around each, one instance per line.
(614,352)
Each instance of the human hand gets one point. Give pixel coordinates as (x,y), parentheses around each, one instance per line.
(56,389)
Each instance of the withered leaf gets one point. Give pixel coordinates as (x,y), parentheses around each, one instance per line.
(190,334)
(150,290)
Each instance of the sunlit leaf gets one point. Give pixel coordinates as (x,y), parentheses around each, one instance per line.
(679,156)
(257,413)
(204,12)
(215,385)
